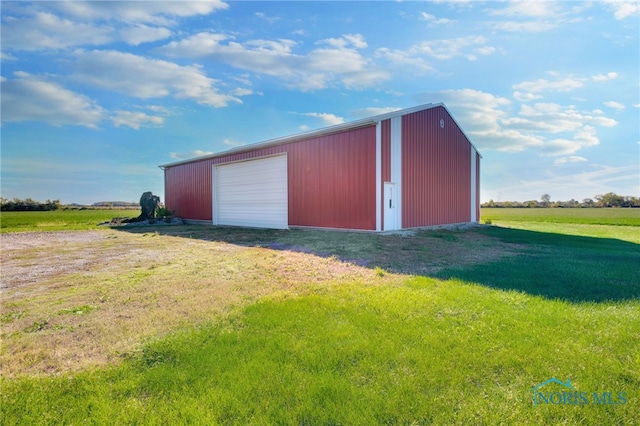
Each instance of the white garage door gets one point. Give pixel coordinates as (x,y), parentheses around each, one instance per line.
(251,193)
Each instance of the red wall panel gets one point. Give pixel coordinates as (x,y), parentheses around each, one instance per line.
(187,190)
(331,181)
(436,172)
(386,150)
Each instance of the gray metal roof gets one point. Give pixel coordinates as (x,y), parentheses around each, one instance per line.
(367,121)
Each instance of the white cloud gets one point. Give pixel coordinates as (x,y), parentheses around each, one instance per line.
(147,78)
(404,58)
(554,118)
(524,27)
(623,8)
(336,59)
(605,77)
(135,120)
(371,111)
(45,25)
(455,47)
(138,34)
(47,31)
(157,109)
(229,142)
(615,105)
(7,57)
(462,4)
(327,119)
(32,98)
(241,91)
(525,96)
(354,40)
(269,19)
(528,16)
(542,85)
(551,129)
(570,159)
(481,116)
(135,12)
(485,50)
(531,9)
(360,80)
(432,20)
(415,56)
(190,154)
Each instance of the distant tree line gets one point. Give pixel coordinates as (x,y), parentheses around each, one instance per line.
(609,199)
(30,205)
(115,204)
(17,205)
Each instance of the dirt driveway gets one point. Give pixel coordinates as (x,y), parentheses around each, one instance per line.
(72,300)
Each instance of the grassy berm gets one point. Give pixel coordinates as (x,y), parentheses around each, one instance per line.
(201,325)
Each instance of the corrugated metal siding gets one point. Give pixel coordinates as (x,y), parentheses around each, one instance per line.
(436,172)
(477,188)
(386,151)
(187,190)
(331,181)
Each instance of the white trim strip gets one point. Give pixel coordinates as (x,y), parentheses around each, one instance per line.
(396,168)
(474,195)
(378,175)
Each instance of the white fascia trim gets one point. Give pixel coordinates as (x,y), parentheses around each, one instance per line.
(474,195)
(214,194)
(396,166)
(378,175)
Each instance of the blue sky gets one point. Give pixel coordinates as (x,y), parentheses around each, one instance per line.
(95,95)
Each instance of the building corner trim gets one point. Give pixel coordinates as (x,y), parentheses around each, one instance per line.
(378,175)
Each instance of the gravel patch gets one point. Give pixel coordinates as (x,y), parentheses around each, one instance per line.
(28,258)
(23,240)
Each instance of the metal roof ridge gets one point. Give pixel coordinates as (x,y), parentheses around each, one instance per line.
(316,132)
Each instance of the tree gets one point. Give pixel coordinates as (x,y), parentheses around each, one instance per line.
(610,199)
(546,198)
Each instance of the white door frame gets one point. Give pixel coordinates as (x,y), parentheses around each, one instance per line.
(391,207)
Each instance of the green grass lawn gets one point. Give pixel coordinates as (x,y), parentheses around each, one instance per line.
(59,220)
(426,352)
(591,216)
(464,345)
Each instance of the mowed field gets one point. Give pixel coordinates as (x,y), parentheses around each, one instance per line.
(213,325)
(59,220)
